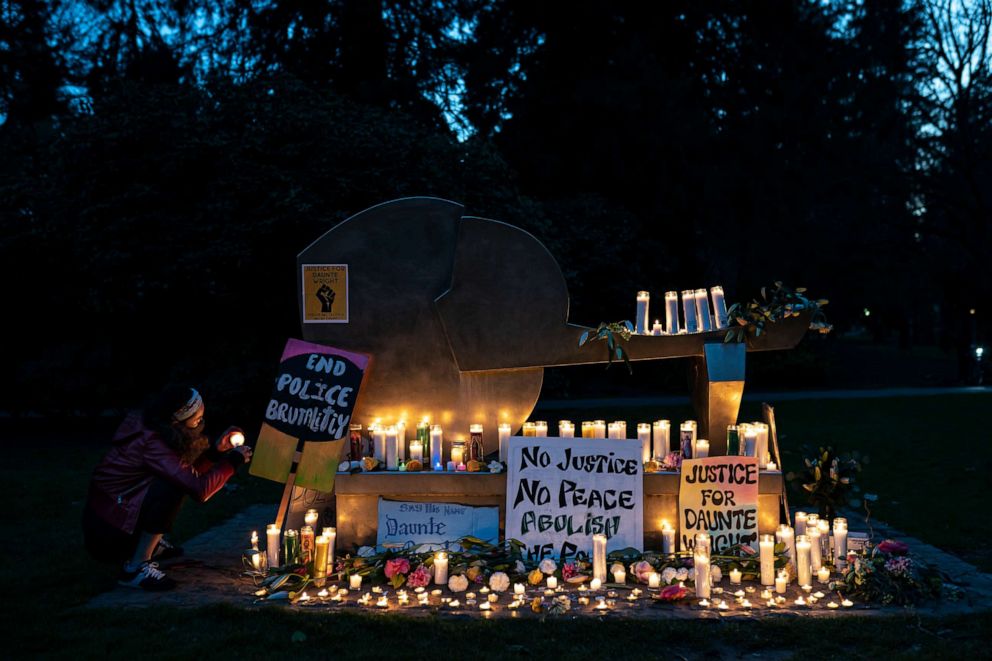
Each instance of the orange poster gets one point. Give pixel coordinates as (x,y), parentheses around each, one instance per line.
(325,293)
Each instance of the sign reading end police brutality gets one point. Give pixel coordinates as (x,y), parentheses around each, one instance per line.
(561,492)
(719,495)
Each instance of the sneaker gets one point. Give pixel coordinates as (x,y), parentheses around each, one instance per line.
(146,577)
(166,551)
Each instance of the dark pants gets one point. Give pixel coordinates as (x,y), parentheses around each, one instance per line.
(158,512)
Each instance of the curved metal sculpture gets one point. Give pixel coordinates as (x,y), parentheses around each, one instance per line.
(462,314)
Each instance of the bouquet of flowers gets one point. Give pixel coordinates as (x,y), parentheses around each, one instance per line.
(889,575)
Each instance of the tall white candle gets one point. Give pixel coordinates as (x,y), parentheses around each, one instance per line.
(541,428)
(392,448)
(701,564)
(272,544)
(662,430)
(401,440)
(437,447)
(803,570)
(643,302)
(379,442)
(687,438)
(719,306)
(815,555)
(441,568)
(667,538)
(644,436)
(416,451)
(766,547)
(529,429)
(599,429)
(701,449)
(622,426)
(504,441)
(689,310)
(671,312)
(800,523)
(566,429)
(703,310)
(761,444)
(599,557)
(332,539)
(614,430)
(750,441)
(825,538)
(786,535)
(840,542)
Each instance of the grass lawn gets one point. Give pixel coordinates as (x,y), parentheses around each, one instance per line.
(927,453)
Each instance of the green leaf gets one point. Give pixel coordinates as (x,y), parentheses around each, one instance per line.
(583,338)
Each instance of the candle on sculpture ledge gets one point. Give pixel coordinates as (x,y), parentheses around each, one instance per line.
(529,430)
(566,429)
(392,448)
(667,538)
(702,449)
(719,307)
(657,328)
(662,431)
(504,441)
(672,312)
(541,429)
(599,428)
(703,310)
(644,436)
(689,310)
(417,451)
(687,438)
(643,302)
(437,446)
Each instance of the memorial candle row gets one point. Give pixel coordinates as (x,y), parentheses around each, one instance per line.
(697,314)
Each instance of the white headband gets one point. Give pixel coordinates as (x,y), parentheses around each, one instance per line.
(189,408)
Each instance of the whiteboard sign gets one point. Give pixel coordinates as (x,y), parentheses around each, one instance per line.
(719,495)
(561,491)
(436,525)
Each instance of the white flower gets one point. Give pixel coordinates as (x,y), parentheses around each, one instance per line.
(495,467)
(548,566)
(682,574)
(716,574)
(668,575)
(366,551)
(499,582)
(521,569)
(458,583)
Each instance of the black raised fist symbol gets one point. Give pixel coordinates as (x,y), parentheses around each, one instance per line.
(326,296)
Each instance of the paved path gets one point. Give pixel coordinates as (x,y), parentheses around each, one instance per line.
(216,577)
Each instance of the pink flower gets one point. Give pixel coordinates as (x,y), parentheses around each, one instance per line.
(397,566)
(642,570)
(672,593)
(419,577)
(568,570)
(892,547)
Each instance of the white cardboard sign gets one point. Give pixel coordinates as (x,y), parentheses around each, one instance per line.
(437,525)
(562,491)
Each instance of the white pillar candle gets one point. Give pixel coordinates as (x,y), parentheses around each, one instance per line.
(437,447)
(332,539)
(622,426)
(815,554)
(751,441)
(272,544)
(620,576)
(735,576)
(719,307)
(803,571)
(654,580)
(701,564)
(771,466)
(823,574)
(703,310)
(687,438)
(667,538)
(441,568)
(355,581)
(379,442)
(766,546)
(840,542)
(599,557)
(643,302)
(662,430)
(552,582)
(417,451)
(761,444)
(800,523)
(504,441)
(702,449)
(672,312)
(657,329)
(599,429)
(566,429)
(529,430)
(541,429)
(614,431)
(786,535)
(392,448)
(689,310)
(781,582)
(457,452)
(644,436)
(401,440)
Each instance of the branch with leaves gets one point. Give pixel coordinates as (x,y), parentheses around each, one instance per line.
(777,303)
(613,333)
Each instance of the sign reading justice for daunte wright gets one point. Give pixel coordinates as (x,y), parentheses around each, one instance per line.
(719,496)
(561,492)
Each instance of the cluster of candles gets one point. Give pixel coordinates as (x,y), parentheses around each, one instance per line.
(697,315)
(389,445)
(298,547)
(748,439)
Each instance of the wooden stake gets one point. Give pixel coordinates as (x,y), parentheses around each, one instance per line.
(768,413)
(287,493)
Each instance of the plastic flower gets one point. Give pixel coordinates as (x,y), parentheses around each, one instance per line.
(397,566)
(495,467)
(548,566)
(499,582)
(536,577)
(568,570)
(642,570)
(900,566)
(672,461)
(419,577)
(668,575)
(457,583)
(892,547)
(672,593)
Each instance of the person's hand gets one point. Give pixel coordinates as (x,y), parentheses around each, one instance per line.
(224,442)
(245,452)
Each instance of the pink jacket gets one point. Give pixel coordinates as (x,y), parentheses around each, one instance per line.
(121,480)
